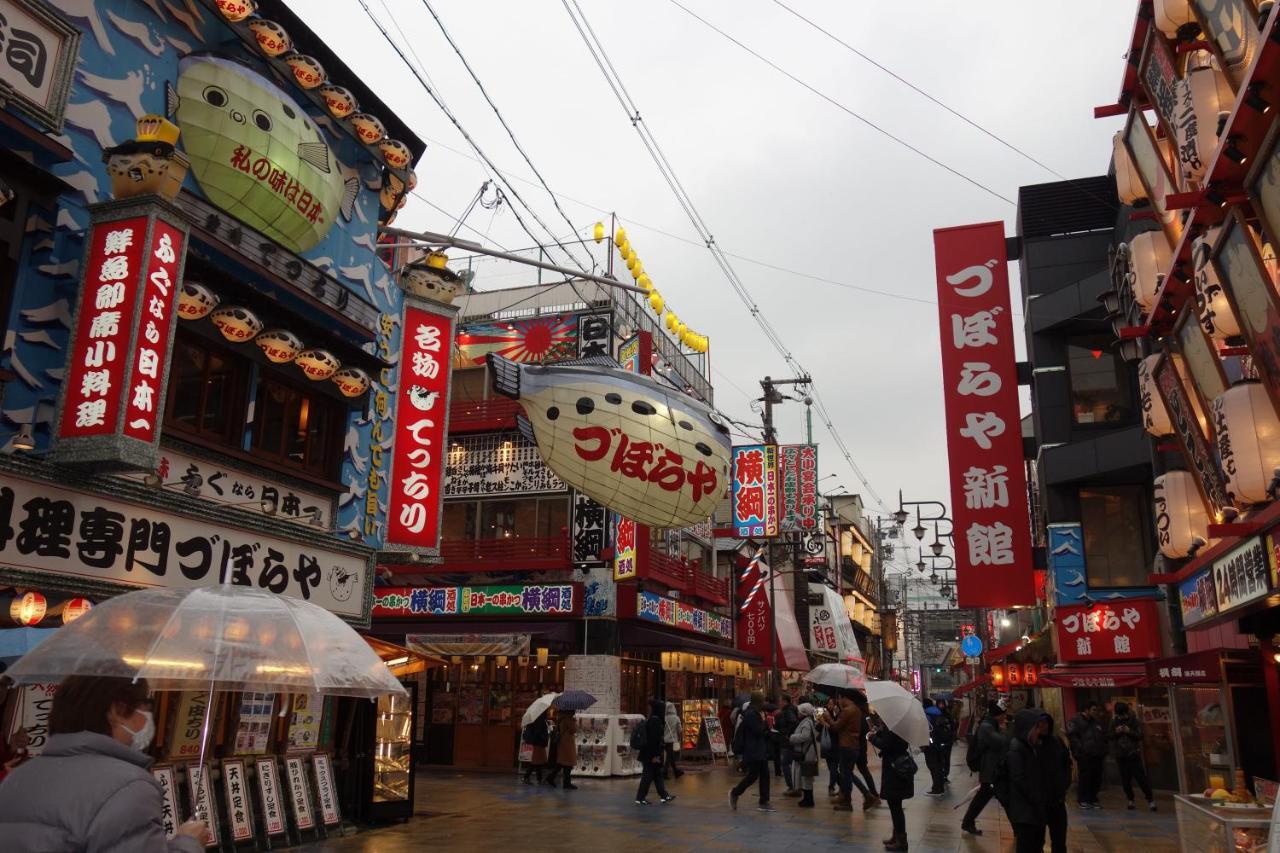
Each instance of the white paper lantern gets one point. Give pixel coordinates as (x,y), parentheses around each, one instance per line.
(1128,185)
(195,301)
(1181,520)
(1170,15)
(317,364)
(1151,258)
(1212,306)
(279,346)
(351,381)
(1155,417)
(1248,434)
(1206,90)
(644,450)
(237,323)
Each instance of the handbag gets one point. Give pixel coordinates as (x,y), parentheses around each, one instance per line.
(809,769)
(905,766)
(526,752)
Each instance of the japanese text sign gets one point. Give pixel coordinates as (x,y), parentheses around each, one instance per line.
(31,715)
(1196,447)
(984,435)
(40,59)
(1124,630)
(203,807)
(1197,598)
(269,791)
(168,798)
(798,475)
(626,548)
(676,614)
(589,532)
(755,490)
(236,787)
(113,392)
(516,600)
(1242,575)
(422,406)
(299,793)
(326,790)
(753,612)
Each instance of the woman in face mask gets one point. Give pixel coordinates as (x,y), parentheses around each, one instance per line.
(90,790)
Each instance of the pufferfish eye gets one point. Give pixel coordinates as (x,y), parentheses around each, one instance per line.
(262,120)
(215,96)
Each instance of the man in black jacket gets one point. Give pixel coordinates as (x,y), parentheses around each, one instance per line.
(1089,748)
(1034,793)
(991,743)
(1125,734)
(651,754)
(754,734)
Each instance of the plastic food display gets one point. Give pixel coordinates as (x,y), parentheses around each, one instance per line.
(1204,827)
(692,712)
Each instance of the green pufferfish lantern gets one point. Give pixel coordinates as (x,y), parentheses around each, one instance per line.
(256,153)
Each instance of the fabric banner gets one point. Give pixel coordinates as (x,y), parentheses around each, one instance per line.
(790,640)
(444,645)
(984,436)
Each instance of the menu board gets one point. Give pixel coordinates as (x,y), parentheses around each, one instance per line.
(32,715)
(326,790)
(304,727)
(269,792)
(168,798)
(692,713)
(471,704)
(188,724)
(715,736)
(202,804)
(299,793)
(236,787)
(253,732)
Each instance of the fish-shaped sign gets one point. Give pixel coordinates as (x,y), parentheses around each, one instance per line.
(646,452)
(256,153)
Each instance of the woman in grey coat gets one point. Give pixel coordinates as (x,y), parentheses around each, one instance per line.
(90,790)
(672,735)
(804,742)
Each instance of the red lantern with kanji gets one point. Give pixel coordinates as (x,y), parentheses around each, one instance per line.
(1029,675)
(74,609)
(28,609)
(997,675)
(1014,675)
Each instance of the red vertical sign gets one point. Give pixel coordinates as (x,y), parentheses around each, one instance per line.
(753,631)
(984,430)
(422,404)
(159,296)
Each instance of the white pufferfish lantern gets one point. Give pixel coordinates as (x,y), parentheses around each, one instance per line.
(645,451)
(279,345)
(195,301)
(1248,434)
(1182,524)
(236,323)
(351,381)
(317,364)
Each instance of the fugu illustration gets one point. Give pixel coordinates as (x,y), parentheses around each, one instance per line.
(255,152)
(647,452)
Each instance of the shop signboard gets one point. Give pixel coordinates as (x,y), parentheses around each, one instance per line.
(626,548)
(563,599)
(589,533)
(540,340)
(1232,25)
(753,611)
(32,715)
(652,607)
(1195,445)
(248,491)
(1066,563)
(269,795)
(421,424)
(630,353)
(41,49)
(1197,598)
(1125,630)
(1198,668)
(253,729)
(1241,575)
(299,793)
(235,785)
(595,336)
(984,439)
(496,464)
(51,530)
(304,726)
(122,337)
(755,490)
(798,478)
(189,724)
(326,790)
(164,775)
(203,805)
(715,736)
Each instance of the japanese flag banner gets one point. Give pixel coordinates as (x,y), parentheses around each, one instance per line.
(984,432)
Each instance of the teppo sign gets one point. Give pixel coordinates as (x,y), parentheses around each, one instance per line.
(984,436)
(421,424)
(1125,630)
(798,472)
(115,380)
(755,490)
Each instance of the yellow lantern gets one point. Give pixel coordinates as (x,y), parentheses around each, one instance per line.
(680,329)
(655,301)
(632,261)
(1155,417)
(645,282)
(1182,524)
(637,270)
(1150,255)
(620,237)
(672,320)
(1248,439)
(598,231)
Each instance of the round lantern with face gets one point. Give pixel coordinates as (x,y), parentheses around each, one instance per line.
(271,37)
(317,364)
(278,345)
(195,301)
(236,10)
(351,381)
(236,323)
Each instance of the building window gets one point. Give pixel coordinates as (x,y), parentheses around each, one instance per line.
(206,395)
(1117,536)
(516,518)
(298,427)
(1100,392)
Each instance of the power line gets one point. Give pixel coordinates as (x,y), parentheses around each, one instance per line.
(899,140)
(668,173)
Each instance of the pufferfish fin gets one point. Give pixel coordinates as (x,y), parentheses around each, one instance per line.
(171,100)
(315,153)
(350,191)
(506,375)
(526,429)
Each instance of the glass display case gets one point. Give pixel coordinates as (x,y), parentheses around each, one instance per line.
(692,712)
(1203,730)
(1206,828)
(392,749)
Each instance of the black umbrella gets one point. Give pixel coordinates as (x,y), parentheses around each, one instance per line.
(573,700)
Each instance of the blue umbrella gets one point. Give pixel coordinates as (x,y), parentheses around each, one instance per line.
(573,700)
(16,642)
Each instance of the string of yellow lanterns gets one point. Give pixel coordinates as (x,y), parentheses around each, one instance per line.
(691,339)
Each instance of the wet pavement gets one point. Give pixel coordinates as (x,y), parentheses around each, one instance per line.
(476,811)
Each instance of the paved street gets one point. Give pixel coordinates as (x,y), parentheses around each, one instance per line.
(468,811)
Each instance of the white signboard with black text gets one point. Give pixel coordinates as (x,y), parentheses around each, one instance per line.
(326,790)
(202,804)
(38,59)
(496,464)
(299,793)
(269,791)
(168,799)
(32,714)
(237,791)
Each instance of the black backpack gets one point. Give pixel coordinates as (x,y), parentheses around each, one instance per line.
(973,749)
(640,735)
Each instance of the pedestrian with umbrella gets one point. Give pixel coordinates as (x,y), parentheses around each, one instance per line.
(565,754)
(535,736)
(897,781)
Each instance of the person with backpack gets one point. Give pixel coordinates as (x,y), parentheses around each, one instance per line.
(1089,748)
(897,781)
(870,799)
(536,736)
(986,752)
(647,738)
(751,741)
(949,737)
(787,719)
(1125,734)
(939,730)
(672,734)
(1032,783)
(803,744)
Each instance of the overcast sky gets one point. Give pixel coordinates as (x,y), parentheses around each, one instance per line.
(781,175)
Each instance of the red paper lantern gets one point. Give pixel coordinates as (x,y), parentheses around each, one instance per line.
(1014,674)
(1029,675)
(997,675)
(74,609)
(28,609)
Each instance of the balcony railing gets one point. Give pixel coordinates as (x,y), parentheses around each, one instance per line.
(515,554)
(678,574)
(712,589)
(483,415)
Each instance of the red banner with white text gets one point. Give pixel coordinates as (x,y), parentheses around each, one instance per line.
(984,434)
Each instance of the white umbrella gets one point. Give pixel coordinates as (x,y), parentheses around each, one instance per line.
(838,675)
(901,712)
(537,708)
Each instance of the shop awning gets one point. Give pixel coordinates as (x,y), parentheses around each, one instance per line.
(965,688)
(642,637)
(1206,667)
(1103,675)
(401,661)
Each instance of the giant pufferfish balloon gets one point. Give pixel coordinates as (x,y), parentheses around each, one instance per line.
(256,153)
(646,452)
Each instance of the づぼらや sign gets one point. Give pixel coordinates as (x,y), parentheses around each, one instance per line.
(1124,630)
(755,490)
(984,436)
(117,363)
(269,791)
(421,416)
